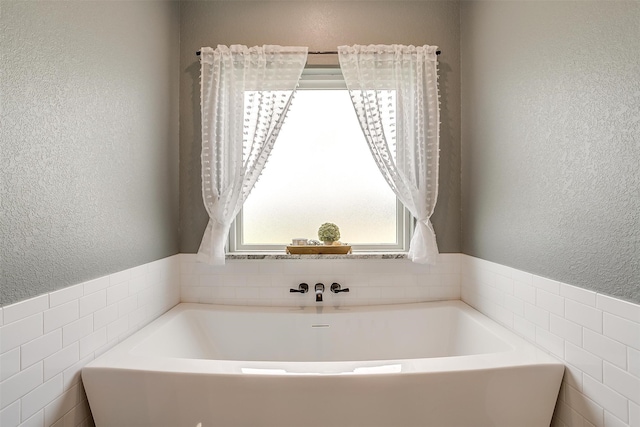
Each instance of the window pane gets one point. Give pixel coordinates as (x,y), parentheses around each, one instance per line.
(320,170)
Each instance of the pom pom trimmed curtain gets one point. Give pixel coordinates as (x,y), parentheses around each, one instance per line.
(245,94)
(407,154)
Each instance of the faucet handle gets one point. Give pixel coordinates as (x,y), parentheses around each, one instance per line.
(303,288)
(336,288)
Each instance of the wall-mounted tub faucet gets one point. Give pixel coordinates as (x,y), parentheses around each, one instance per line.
(319,291)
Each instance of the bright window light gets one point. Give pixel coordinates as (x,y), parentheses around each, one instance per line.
(320,170)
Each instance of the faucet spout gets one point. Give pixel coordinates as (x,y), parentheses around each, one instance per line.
(319,290)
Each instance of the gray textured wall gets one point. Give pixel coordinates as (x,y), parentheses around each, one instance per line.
(320,25)
(551,140)
(89,140)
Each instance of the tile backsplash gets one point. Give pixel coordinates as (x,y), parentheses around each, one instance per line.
(370,281)
(45,341)
(596,336)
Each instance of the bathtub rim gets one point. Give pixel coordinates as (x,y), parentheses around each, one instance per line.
(522,353)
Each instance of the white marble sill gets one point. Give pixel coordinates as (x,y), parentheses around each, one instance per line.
(282,255)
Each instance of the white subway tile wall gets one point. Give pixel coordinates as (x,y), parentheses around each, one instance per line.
(596,336)
(45,341)
(370,281)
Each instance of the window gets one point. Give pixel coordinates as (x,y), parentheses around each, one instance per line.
(321,170)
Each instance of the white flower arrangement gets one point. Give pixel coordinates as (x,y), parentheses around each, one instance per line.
(329,232)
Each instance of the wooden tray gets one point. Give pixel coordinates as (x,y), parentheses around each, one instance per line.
(319,250)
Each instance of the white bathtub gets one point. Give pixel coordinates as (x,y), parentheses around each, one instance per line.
(430,364)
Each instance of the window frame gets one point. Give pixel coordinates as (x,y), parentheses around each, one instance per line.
(325,78)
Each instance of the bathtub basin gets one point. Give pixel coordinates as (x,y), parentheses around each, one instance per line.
(429,364)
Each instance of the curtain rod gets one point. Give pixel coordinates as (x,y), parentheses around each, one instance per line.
(323,52)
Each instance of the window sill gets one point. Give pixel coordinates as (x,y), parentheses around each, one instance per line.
(281,255)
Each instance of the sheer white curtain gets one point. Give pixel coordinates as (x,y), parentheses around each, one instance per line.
(394,90)
(245,94)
